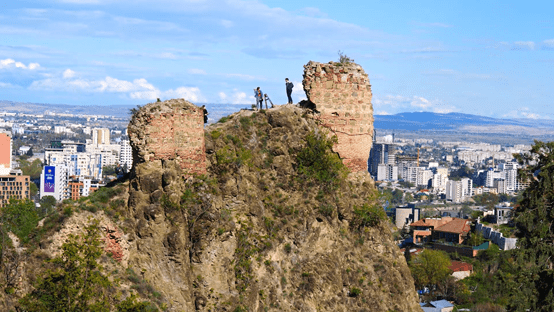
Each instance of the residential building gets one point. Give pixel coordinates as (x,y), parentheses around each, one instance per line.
(446,228)
(437,306)
(454,231)
(378,154)
(100,136)
(405,215)
(503,213)
(54,182)
(5,153)
(14,186)
(423,177)
(126,153)
(81,187)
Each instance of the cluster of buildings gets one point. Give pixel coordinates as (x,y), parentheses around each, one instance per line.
(13,184)
(73,169)
(386,164)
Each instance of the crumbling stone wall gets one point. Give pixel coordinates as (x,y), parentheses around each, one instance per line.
(342,94)
(169,130)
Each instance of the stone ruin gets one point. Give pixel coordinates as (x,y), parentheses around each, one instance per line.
(169,130)
(341,93)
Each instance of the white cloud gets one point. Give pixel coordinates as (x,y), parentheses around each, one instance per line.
(80,1)
(382,113)
(191,94)
(68,73)
(10,63)
(136,89)
(548,44)
(523,112)
(420,102)
(237,97)
(196,71)
(524,45)
(298,93)
(227,23)
(7,85)
(402,103)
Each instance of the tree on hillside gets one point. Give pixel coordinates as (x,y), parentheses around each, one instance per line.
(32,169)
(534,219)
(20,217)
(76,282)
(430,268)
(488,200)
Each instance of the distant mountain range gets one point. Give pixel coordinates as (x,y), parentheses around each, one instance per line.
(454,121)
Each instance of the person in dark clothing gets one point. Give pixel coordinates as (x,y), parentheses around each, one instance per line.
(259,97)
(205,113)
(289,89)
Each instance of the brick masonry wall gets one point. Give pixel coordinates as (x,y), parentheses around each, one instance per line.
(170,130)
(342,95)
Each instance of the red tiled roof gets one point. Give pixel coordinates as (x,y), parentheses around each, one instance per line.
(457,226)
(458,266)
(434,222)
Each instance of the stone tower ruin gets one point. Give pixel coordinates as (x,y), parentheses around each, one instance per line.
(172,130)
(342,95)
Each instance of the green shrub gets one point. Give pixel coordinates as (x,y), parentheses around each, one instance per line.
(20,217)
(354,292)
(318,161)
(368,216)
(215,134)
(245,122)
(288,248)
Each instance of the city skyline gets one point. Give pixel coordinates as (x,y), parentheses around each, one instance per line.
(491,59)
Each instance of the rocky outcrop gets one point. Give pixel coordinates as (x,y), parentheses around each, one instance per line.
(342,94)
(255,232)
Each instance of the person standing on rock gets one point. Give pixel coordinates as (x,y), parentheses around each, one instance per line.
(289,89)
(259,97)
(205,113)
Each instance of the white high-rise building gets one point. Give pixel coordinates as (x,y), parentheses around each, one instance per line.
(439,183)
(100,136)
(458,191)
(54,181)
(491,176)
(423,177)
(126,153)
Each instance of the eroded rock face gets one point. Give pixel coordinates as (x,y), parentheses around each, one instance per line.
(342,94)
(253,234)
(171,130)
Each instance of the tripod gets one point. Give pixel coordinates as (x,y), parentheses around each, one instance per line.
(266,98)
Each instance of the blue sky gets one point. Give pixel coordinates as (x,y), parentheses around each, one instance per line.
(487,58)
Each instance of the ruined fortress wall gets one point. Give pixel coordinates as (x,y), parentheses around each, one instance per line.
(342,94)
(170,130)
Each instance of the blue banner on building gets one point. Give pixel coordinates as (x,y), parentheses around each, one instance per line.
(49,179)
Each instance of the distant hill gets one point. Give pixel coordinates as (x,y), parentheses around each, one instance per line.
(457,126)
(122,111)
(435,121)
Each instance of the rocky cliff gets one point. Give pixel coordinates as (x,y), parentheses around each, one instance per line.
(254,213)
(266,228)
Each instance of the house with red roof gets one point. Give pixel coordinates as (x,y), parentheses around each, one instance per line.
(461,270)
(446,228)
(454,231)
